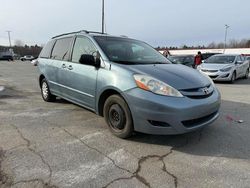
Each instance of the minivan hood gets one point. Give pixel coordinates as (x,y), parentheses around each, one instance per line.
(178,76)
(210,66)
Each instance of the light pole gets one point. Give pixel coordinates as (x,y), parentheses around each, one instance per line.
(9,37)
(225,43)
(102,16)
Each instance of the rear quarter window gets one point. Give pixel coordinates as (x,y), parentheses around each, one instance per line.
(46,51)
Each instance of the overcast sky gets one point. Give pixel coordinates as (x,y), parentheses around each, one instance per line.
(158,22)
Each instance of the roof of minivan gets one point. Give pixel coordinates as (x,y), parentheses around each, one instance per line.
(85,32)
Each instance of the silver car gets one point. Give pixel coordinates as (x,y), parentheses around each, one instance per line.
(128,82)
(225,67)
(27,58)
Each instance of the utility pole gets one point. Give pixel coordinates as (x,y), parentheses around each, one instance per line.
(9,37)
(225,43)
(102,16)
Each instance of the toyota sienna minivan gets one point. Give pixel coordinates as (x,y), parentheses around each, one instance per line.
(128,82)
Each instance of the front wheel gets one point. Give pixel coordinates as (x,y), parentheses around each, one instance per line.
(118,116)
(247,74)
(233,77)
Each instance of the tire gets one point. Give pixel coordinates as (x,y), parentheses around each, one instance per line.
(233,78)
(247,74)
(118,116)
(47,96)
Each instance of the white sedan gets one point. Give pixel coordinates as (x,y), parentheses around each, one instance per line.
(225,67)
(27,58)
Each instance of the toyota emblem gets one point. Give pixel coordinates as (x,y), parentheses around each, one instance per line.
(205,90)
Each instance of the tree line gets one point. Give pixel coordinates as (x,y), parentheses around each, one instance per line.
(19,50)
(244,43)
(34,50)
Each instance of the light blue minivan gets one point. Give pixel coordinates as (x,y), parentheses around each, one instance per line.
(128,82)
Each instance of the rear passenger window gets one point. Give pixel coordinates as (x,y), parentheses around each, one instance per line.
(61,50)
(45,53)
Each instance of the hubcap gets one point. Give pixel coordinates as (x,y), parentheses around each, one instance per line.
(117,117)
(45,90)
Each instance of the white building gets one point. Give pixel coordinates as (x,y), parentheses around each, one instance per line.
(245,51)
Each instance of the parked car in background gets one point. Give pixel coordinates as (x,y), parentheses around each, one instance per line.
(6,55)
(27,58)
(207,55)
(128,82)
(34,62)
(225,67)
(187,60)
(247,58)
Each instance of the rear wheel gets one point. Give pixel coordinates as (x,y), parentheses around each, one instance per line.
(247,74)
(47,96)
(233,77)
(118,116)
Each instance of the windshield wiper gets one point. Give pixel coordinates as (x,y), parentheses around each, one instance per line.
(126,62)
(160,63)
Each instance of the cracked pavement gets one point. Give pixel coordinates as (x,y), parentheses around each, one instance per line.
(50,145)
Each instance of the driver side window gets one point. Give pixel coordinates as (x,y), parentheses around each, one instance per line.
(82,46)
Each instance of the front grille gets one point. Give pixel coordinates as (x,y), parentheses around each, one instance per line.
(198,93)
(213,76)
(200,96)
(196,122)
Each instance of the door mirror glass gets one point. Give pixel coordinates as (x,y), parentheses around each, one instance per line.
(87,59)
(238,62)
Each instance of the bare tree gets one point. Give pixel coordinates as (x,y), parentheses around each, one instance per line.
(248,44)
(19,43)
(212,45)
(233,44)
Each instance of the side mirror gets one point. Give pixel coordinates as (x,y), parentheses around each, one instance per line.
(87,59)
(238,62)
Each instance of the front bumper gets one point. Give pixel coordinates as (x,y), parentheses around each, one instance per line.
(156,114)
(219,75)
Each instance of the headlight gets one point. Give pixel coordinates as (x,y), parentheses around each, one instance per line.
(226,69)
(156,86)
(199,67)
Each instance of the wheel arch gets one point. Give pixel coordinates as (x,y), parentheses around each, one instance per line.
(103,97)
(41,77)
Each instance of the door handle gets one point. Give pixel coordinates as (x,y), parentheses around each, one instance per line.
(63,66)
(70,67)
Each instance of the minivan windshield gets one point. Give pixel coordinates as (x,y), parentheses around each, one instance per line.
(221,59)
(129,51)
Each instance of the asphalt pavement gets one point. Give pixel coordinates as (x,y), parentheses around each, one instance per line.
(63,145)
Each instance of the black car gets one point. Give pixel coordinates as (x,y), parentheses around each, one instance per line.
(187,60)
(207,55)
